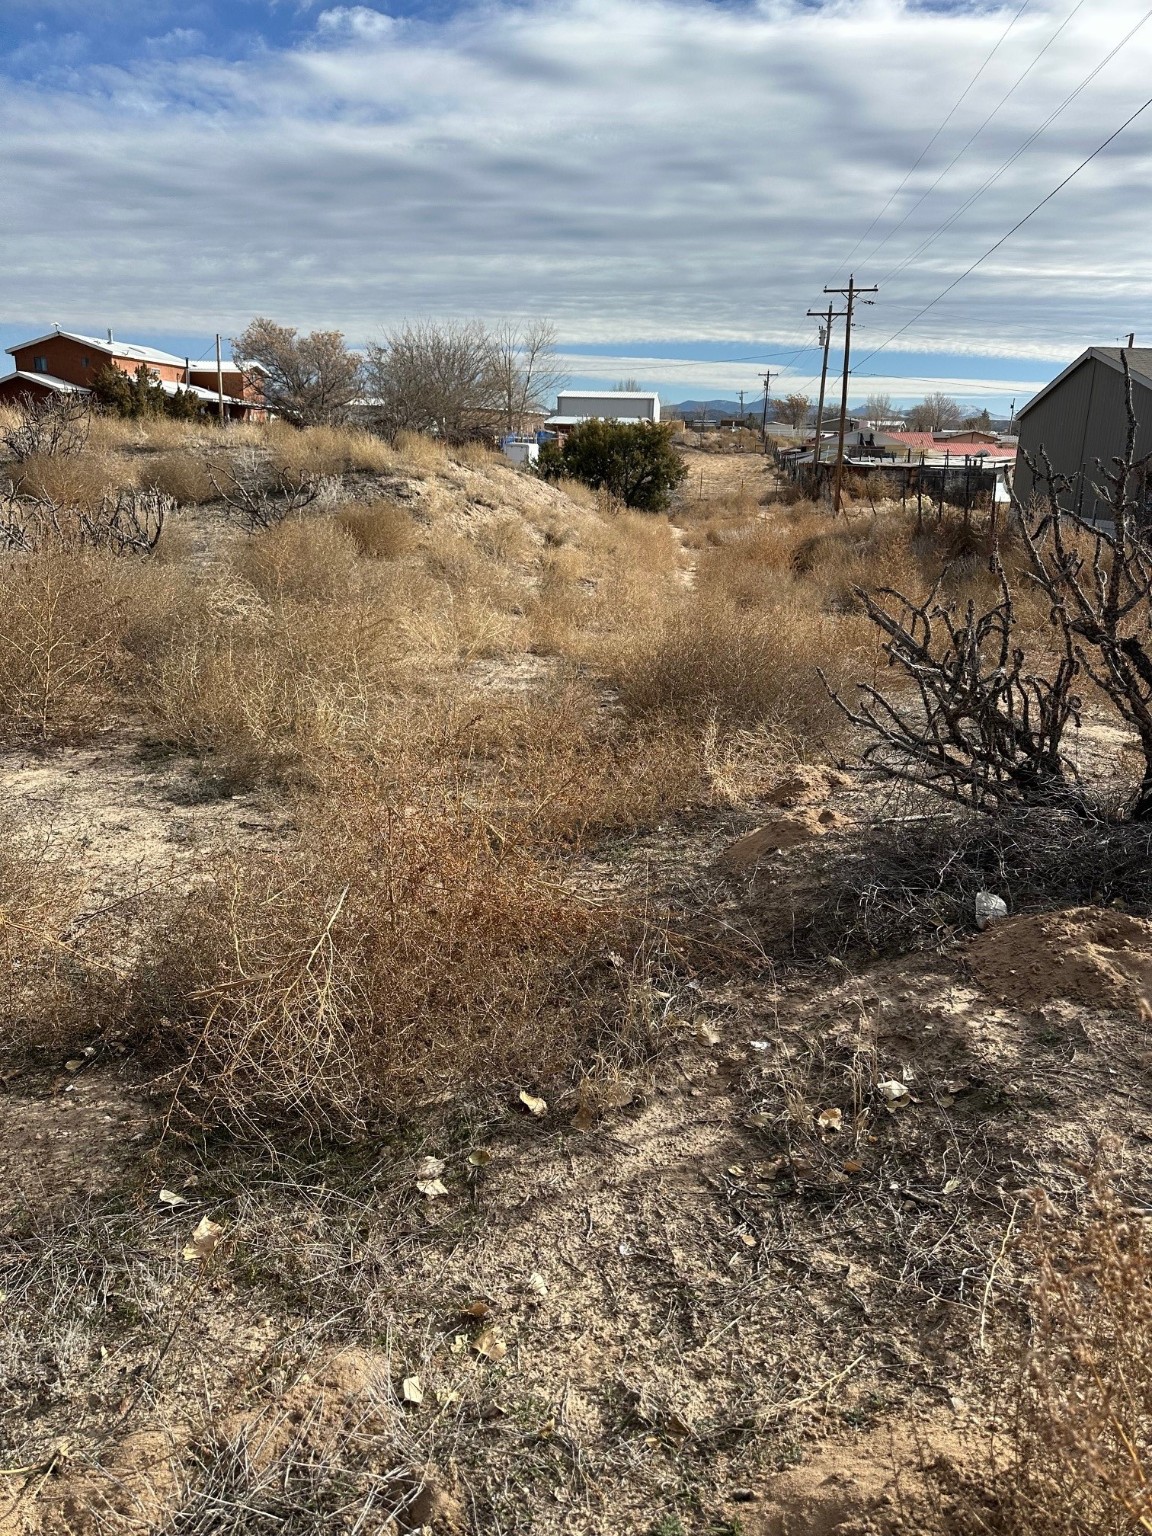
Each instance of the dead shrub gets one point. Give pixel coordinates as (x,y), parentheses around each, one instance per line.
(711,658)
(382,530)
(324,452)
(399,954)
(181,474)
(311,561)
(80,480)
(61,616)
(58,425)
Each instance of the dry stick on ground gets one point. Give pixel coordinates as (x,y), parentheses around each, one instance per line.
(987,732)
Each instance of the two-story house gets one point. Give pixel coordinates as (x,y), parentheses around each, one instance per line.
(65,362)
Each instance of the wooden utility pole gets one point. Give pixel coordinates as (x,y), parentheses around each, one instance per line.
(219,381)
(764,413)
(827,316)
(851,293)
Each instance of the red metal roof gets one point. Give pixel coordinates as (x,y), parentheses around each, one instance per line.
(958,447)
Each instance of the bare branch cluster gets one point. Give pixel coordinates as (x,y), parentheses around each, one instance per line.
(58,425)
(127,522)
(256,495)
(458,378)
(310,380)
(986,730)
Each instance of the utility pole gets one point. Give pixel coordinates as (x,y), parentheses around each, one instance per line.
(741,407)
(851,293)
(827,316)
(219,381)
(764,413)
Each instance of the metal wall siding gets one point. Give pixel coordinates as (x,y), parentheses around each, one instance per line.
(1082,420)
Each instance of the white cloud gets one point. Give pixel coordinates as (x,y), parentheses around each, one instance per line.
(637,169)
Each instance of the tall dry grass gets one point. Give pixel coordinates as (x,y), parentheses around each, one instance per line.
(1069,1445)
(381,529)
(62,616)
(76,479)
(325,451)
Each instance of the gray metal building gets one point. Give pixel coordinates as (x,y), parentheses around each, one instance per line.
(1079,417)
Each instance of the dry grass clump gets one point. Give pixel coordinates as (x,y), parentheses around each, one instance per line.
(564,766)
(713,658)
(401,953)
(1069,1446)
(61,617)
(180,473)
(39,898)
(382,530)
(312,561)
(475,454)
(267,690)
(298,453)
(418,454)
(1083,1431)
(74,479)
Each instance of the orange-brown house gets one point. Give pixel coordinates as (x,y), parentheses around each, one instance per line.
(65,362)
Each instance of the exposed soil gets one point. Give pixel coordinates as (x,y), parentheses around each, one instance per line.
(678,1296)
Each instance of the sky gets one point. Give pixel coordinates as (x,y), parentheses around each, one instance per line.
(673,184)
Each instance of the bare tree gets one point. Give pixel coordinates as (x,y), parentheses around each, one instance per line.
(935,413)
(310,380)
(523,371)
(794,410)
(879,407)
(626,387)
(430,378)
(58,425)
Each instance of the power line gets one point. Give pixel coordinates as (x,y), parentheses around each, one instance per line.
(1018,225)
(948,118)
(896,228)
(1027,144)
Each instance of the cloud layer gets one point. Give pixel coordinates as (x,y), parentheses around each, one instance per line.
(637,169)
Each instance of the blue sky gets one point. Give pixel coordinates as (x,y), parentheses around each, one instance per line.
(672,182)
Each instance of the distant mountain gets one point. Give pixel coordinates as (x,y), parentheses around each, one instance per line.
(710,409)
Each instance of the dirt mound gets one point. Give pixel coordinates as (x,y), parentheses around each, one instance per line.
(785,831)
(1090,955)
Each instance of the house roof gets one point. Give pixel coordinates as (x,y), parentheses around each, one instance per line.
(130,352)
(1139,364)
(49,380)
(608,394)
(929,442)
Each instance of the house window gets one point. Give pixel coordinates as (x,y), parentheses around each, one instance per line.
(84,363)
(40,364)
